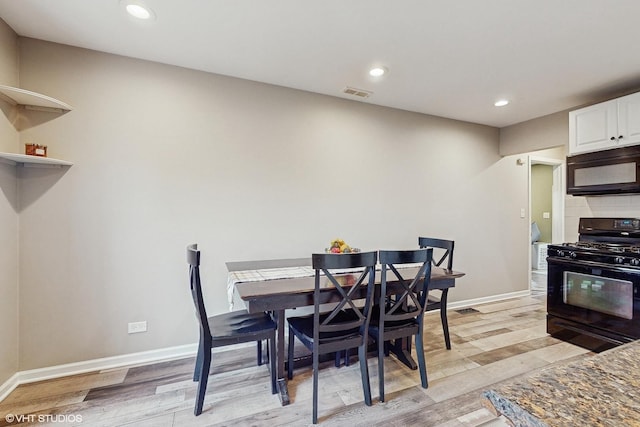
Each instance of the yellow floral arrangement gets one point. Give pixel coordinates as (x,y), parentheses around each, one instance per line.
(338,246)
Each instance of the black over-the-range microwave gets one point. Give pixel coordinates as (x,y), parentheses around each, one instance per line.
(614,171)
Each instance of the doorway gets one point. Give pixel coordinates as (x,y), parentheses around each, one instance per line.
(546,216)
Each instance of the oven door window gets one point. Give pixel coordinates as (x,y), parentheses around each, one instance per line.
(603,294)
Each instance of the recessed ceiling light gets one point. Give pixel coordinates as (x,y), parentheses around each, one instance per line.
(501,103)
(138,10)
(377,72)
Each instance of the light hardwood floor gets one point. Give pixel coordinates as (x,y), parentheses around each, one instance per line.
(497,342)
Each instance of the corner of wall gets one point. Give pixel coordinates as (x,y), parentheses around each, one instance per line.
(9,75)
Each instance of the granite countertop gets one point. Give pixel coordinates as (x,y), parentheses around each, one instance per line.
(601,390)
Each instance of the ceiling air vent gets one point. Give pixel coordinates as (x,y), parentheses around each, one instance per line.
(357,92)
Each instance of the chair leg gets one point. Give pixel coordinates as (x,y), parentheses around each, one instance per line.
(290,355)
(271,352)
(443,318)
(316,366)
(199,355)
(259,353)
(202,381)
(381,354)
(364,372)
(339,356)
(422,365)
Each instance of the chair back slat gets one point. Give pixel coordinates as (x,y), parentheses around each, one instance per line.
(193,259)
(410,303)
(408,297)
(446,245)
(335,261)
(346,315)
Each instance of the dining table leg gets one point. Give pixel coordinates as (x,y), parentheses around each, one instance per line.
(402,350)
(283,390)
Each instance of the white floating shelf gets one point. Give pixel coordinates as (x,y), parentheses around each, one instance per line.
(34,100)
(26,160)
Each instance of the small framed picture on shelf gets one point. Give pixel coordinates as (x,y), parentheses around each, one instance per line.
(35,150)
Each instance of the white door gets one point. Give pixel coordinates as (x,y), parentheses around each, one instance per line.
(537,278)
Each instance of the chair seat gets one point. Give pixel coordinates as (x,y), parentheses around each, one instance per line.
(237,324)
(303,328)
(391,325)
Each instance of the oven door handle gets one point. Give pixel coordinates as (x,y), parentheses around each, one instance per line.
(582,263)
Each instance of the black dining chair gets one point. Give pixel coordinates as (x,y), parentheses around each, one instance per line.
(435,303)
(225,329)
(343,327)
(400,315)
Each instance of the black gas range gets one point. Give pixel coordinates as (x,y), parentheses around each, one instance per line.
(593,285)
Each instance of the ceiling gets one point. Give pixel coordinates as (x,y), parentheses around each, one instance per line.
(446,58)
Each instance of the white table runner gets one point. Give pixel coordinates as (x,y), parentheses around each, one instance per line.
(265,274)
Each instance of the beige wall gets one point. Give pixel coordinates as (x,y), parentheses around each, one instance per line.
(536,134)
(8,214)
(166,156)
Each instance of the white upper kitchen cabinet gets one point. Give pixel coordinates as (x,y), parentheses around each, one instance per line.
(629,119)
(610,124)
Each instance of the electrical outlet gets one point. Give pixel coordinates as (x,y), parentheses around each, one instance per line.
(137,327)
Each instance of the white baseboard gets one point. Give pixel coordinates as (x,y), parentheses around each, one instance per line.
(8,386)
(145,357)
(484,300)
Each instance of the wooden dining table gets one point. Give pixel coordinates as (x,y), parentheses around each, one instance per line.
(277,285)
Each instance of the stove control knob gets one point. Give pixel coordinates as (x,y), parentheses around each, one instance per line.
(635,262)
(573,255)
(560,253)
(619,260)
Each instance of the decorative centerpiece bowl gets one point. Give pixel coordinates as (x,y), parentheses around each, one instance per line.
(338,246)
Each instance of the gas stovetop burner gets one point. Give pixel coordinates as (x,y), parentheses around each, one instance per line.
(605,241)
(599,252)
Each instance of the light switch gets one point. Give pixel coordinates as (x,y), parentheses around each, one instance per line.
(522,212)
(546,215)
